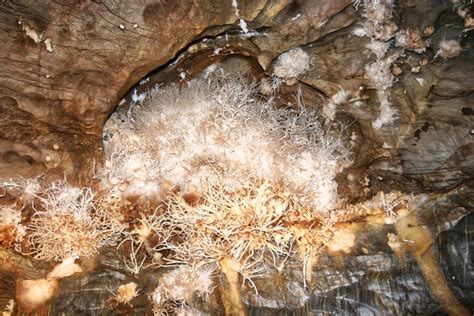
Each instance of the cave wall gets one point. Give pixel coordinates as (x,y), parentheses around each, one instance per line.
(66,65)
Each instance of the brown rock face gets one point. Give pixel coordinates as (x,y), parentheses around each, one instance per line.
(65,65)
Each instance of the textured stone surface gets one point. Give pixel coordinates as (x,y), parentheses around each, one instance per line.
(66,65)
(54,108)
(62,94)
(373,280)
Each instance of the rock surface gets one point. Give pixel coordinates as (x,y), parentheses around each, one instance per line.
(66,65)
(78,60)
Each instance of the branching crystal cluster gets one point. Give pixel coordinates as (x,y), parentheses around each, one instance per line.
(291,64)
(182,285)
(252,170)
(378,25)
(217,131)
(250,226)
(65,224)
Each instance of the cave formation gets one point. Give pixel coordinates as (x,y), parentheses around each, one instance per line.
(379,223)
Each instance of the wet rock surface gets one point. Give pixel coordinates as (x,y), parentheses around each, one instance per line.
(363,284)
(66,66)
(456,253)
(374,281)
